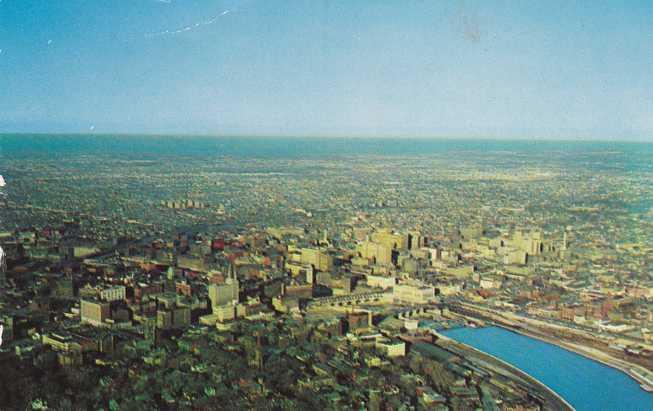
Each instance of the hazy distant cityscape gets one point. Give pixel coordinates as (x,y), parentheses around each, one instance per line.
(291,278)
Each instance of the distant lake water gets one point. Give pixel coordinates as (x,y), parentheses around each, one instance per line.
(585,384)
(615,154)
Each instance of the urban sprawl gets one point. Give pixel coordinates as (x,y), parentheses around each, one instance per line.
(239,283)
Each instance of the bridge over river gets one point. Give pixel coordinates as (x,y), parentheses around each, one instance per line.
(349,299)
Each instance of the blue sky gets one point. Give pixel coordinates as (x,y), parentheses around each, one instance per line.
(512,69)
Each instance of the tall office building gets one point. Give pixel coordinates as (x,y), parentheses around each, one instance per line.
(95,312)
(380,253)
(227,293)
(530,242)
(415,240)
(389,239)
(3,267)
(320,260)
(115,293)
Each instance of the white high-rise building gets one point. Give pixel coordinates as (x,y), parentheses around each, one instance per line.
(117,293)
(3,266)
(227,293)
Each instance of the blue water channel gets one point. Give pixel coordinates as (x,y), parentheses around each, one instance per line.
(584,383)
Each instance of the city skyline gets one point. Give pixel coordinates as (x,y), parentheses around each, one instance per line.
(320,274)
(328,69)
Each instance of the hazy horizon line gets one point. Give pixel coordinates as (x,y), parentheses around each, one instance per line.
(324,136)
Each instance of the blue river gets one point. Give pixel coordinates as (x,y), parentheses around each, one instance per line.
(585,384)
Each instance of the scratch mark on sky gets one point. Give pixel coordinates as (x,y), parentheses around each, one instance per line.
(189,27)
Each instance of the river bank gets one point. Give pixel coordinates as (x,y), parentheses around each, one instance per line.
(590,353)
(521,326)
(553,398)
(584,383)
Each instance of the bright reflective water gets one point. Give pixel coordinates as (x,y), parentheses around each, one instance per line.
(585,384)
